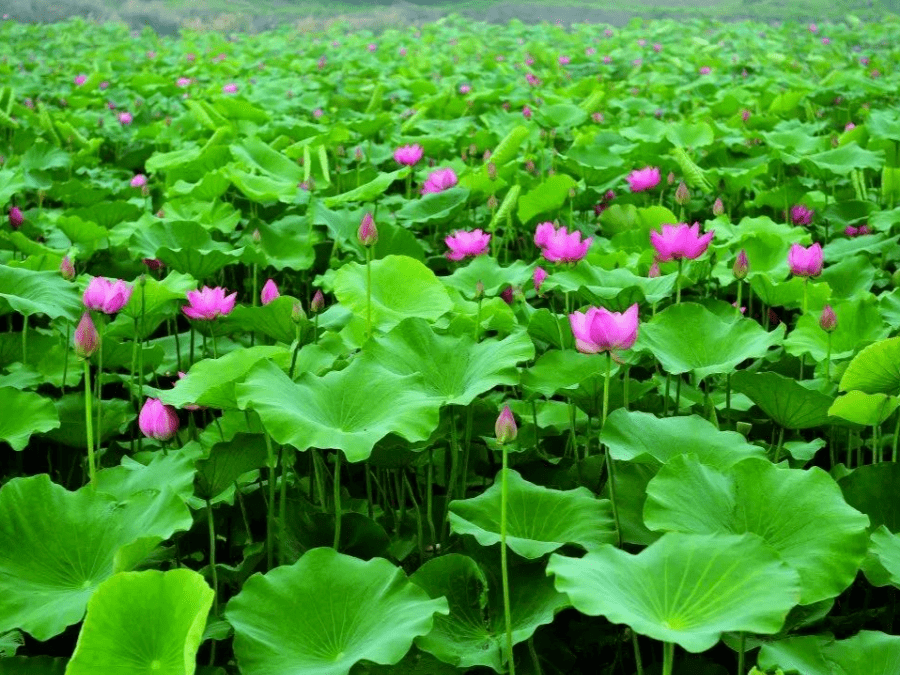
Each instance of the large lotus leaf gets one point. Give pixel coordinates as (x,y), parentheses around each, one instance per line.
(454,370)
(539,519)
(865,409)
(602,286)
(72,430)
(174,471)
(437,207)
(683,588)
(274,319)
(474,633)
(211,382)
(143,622)
(800,513)
(489,272)
(690,338)
(325,613)
(872,489)
(402,287)
(850,277)
(876,369)
(227,462)
(786,401)
(844,159)
(557,369)
(29,292)
(351,409)
(790,293)
(263,189)
(33,414)
(57,546)
(858,322)
(546,197)
(635,435)
(255,154)
(367,192)
(185,246)
(882,566)
(288,243)
(866,653)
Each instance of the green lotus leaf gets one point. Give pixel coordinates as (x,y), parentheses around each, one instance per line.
(57,546)
(351,409)
(29,292)
(454,370)
(635,435)
(866,653)
(327,612)
(539,519)
(474,633)
(287,243)
(859,323)
(401,287)
(264,189)
(228,461)
(872,489)
(557,369)
(72,429)
(690,338)
(801,514)
(257,155)
(185,246)
(143,622)
(549,196)
(489,272)
(790,293)
(684,588)
(876,369)
(882,566)
(34,414)
(274,320)
(438,207)
(174,471)
(615,289)
(844,159)
(865,409)
(787,402)
(850,277)
(367,192)
(561,115)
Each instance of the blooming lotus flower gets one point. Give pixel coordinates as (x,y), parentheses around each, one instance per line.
(564,60)
(599,330)
(106,296)
(741,265)
(183,82)
(408,155)
(850,126)
(526,112)
(643,179)
(742,310)
(828,319)
(852,231)
(139,181)
(607,60)
(16,218)
(67,269)
(805,262)
(368,233)
(230,88)
(158,420)
(269,292)
(80,79)
(463,244)
(209,303)
(705,70)
(801,215)
(86,337)
(540,275)
(125,118)
(464,88)
(505,428)
(677,242)
(559,245)
(440,180)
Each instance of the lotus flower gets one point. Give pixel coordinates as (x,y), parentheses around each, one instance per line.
(828,319)
(80,79)
(805,262)
(86,337)
(505,427)
(526,112)
(677,242)
(705,70)
(367,233)
(718,207)
(125,118)
(67,269)
(16,218)
(559,245)
(440,180)
(741,265)
(654,271)
(183,82)
(465,244)
(209,303)
(464,88)
(269,292)
(801,215)
(158,420)
(230,88)
(139,181)
(318,303)
(106,296)
(540,275)
(408,155)
(599,330)
(643,179)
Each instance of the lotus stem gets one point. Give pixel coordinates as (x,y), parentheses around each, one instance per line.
(637,653)
(89,424)
(270,507)
(507,614)
(478,320)
(243,509)
(99,397)
(828,359)
(454,468)
(534,422)
(369,292)
(66,358)
(429,497)
(420,531)
(282,506)
(337,499)
(626,380)
(534,657)
(741,648)
(193,334)
(678,282)
(728,394)
(739,293)
(896,437)
(609,459)
(668,657)
(24,339)
(212,556)
(294,355)
(780,444)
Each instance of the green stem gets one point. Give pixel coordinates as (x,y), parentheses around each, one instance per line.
(99,396)
(66,361)
(535,660)
(828,359)
(89,422)
(780,444)
(896,438)
(728,394)
(282,506)
(507,615)
(270,510)
(741,648)
(678,283)
(805,286)
(668,657)
(637,653)
(24,339)
(454,470)
(478,320)
(609,460)
(212,557)
(369,292)
(740,289)
(337,499)
(429,497)
(626,382)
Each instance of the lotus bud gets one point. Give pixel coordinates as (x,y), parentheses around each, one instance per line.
(256,236)
(682,195)
(654,271)
(318,303)
(492,202)
(741,265)
(297,313)
(540,275)
(269,292)
(368,233)
(16,218)
(479,290)
(492,171)
(507,295)
(670,178)
(87,339)
(718,207)
(828,319)
(505,427)
(158,420)
(67,269)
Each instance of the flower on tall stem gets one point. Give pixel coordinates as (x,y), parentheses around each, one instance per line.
(679,242)
(439,180)
(367,233)
(801,215)
(15,217)
(599,330)
(87,339)
(805,262)
(158,420)
(269,292)
(67,269)
(643,179)
(540,275)
(464,244)
(560,245)
(208,304)
(107,296)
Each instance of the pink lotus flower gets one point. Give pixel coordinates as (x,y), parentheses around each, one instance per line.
(828,320)
(813,28)
(849,126)
(16,218)
(607,60)
(367,233)
(317,113)
(87,339)
(705,70)
(505,427)
(440,180)
(654,271)
(158,420)
(139,181)
(643,179)
(852,231)
(657,47)
(597,117)
(559,245)
(125,118)
(464,89)
(564,60)
(805,262)
(745,115)
(463,244)
(540,275)
(106,296)
(372,47)
(507,295)
(408,155)
(826,41)
(801,215)
(718,207)
(599,330)
(742,310)
(80,79)
(679,242)
(532,79)
(269,292)
(183,82)
(526,112)
(230,88)
(67,269)
(209,303)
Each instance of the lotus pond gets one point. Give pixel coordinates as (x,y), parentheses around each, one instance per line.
(459,348)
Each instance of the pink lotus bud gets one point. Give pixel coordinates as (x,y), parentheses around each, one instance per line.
(67,269)
(718,207)
(705,70)
(849,126)
(654,271)
(741,265)
(297,313)
(643,179)
(492,171)
(682,194)
(87,339)
(125,118)
(505,427)
(269,292)
(597,117)
(152,264)
(80,79)
(540,275)
(607,60)
(863,229)
(230,88)
(318,303)
(828,319)
(16,218)
(255,236)
(208,304)
(464,88)
(479,290)
(805,262)
(743,310)
(367,233)
(526,112)
(851,231)
(158,420)
(507,295)
(139,181)
(670,178)
(745,115)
